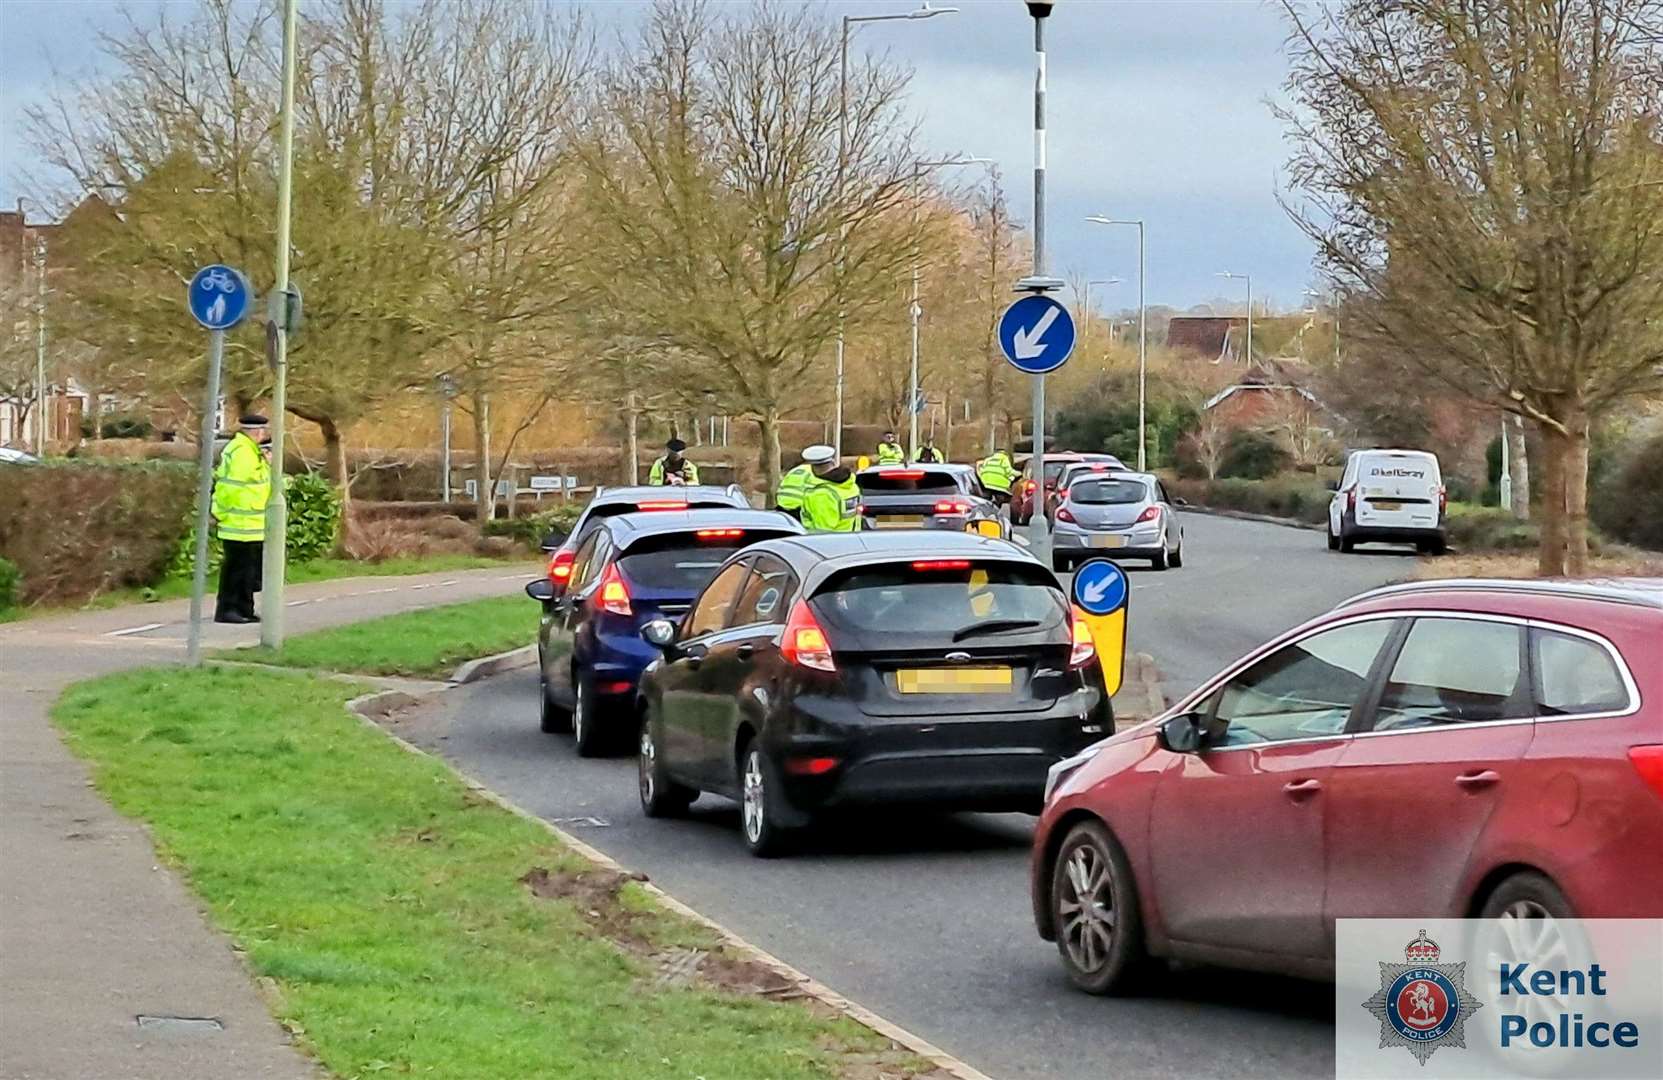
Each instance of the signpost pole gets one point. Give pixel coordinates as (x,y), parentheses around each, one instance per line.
(277,509)
(1039,533)
(204,493)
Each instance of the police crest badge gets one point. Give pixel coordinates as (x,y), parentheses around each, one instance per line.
(1421,1004)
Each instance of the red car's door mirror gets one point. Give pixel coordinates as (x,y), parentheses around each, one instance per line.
(1182,734)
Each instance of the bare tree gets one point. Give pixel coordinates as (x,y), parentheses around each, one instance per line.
(719,211)
(1482,183)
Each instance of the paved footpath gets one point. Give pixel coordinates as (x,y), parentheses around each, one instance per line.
(94,933)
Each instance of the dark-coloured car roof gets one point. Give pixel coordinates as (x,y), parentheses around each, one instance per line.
(817,555)
(628,528)
(640,492)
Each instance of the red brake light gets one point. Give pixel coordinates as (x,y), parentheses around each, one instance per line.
(804,643)
(905,474)
(613,595)
(942,564)
(952,506)
(1029,486)
(810,766)
(1351,500)
(1150,513)
(1648,762)
(1084,648)
(661,504)
(1063,514)
(1443,500)
(560,567)
(719,534)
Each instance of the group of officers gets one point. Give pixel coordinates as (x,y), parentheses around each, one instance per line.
(822,493)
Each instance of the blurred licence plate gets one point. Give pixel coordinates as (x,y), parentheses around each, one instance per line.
(989,680)
(899,521)
(1385,504)
(1100,540)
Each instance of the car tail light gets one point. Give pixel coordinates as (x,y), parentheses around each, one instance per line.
(1150,513)
(719,534)
(616,686)
(1648,762)
(1064,514)
(941,564)
(811,766)
(952,506)
(613,595)
(1443,500)
(1029,486)
(906,474)
(1351,500)
(804,643)
(560,568)
(1084,648)
(661,504)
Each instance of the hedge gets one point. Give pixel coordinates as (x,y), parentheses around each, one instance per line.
(75,529)
(1628,503)
(1298,497)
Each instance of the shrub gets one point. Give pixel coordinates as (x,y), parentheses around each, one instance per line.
(1299,497)
(77,528)
(11,585)
(314,516)
(1253,455)
(1487,528)
(530,529)
(1628,502)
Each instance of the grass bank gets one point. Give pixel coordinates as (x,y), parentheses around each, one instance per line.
(427,642)
(407,927)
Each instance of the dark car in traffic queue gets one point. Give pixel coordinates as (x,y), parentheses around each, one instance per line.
(630,571)
(831,671)
(609,502)
(1438,750)
(935,495)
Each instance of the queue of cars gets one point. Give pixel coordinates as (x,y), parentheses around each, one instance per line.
(1440,749)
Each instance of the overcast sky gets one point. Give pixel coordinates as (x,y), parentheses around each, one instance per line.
(1157,110)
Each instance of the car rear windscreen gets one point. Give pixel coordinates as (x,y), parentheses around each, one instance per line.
(685,562)
(945,596)
(925,481)
(1107,492)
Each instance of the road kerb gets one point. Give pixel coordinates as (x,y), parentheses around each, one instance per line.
(1246,515)
(474,670)
(369,706)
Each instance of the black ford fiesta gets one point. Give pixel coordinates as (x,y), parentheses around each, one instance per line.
(829,671)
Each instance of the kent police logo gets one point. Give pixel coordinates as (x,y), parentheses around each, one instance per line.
(1422,1004)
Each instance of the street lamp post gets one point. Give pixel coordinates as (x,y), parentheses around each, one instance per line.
(923,12)
(40,348)
(277,510)
(1249,279)
(915,310)
(1085,322)
(1143,329)
(1039,527)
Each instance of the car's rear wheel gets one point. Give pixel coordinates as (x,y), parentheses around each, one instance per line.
(1161,560)
(1527,895)
(759,803)
(1094,907)
(587,727)
(551,718)
(1347,544)
(660,796)
(1333,540)
(1178,552)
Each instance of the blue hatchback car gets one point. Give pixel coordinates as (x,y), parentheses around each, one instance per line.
(630,570)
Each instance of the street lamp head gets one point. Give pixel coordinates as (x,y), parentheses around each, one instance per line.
(1099,219)
(926,11)
(1039,9)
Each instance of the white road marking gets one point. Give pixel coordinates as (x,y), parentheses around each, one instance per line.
(134,629)
(429,585)
(296,603)
(452,581)
(373,592)
(510,577)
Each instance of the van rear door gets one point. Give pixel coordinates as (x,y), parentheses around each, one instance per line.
(1398,489)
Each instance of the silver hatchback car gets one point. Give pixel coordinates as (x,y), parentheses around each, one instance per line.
(1118,514)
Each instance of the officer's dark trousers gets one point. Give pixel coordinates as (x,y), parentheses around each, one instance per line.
(239,577)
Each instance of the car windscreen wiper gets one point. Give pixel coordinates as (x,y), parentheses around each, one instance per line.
(995,626)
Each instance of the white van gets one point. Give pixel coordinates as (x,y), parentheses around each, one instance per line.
(1393,496)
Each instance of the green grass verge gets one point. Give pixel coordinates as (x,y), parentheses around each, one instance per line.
(384,903)
(427,642)
(315,570)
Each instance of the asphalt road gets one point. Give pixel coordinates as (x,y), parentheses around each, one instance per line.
(926,918)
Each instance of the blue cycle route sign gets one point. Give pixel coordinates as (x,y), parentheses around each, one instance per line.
(219,297)
(1100,587)
(1036,334)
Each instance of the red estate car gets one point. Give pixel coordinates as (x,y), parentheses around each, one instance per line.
(1022,495)
(1453,749)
